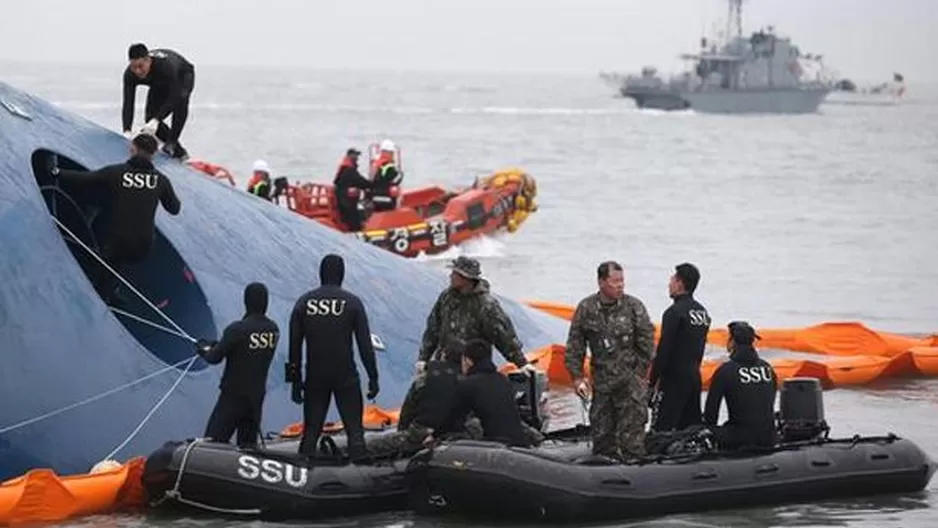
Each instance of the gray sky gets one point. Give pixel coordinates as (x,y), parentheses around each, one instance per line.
(863,39)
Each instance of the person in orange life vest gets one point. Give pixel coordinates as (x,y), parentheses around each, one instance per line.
(347,178)
(386,176)
(259,184)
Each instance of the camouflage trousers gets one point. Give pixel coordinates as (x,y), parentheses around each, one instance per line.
(618,423)
(407,441)
(410,402)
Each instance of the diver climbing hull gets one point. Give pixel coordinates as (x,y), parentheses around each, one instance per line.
(547,483)
(74,369)
(273,482)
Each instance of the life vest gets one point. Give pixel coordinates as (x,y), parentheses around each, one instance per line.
(383,159)
(253,181)
(254,189)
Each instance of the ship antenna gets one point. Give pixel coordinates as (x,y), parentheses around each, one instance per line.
(734,20)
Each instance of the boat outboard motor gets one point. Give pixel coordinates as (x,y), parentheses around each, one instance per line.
(531,398)
(801,410)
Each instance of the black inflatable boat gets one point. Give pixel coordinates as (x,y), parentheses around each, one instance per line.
(276,482)
(561,482)
(273,482)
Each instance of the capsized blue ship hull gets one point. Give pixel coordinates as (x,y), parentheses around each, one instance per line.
(70,382)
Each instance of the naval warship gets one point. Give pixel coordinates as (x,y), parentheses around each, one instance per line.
(760,73)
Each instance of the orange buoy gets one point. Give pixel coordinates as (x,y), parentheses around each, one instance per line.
(42,496)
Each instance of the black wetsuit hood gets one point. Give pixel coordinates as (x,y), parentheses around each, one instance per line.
(332,270)
(744,355)
(140,162)
(255,299)
(483,366)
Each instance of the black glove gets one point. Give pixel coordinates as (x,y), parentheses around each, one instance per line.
(291,373)
(373,389)
(297,394)
(202,346)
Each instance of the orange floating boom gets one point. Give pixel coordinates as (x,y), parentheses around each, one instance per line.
(835,339)
(42,496)
(833,372)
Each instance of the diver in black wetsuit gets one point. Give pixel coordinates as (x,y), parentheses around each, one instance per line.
(326,318)
(131,191)
(248,347)
(676,366)
(171,79)
(749,384)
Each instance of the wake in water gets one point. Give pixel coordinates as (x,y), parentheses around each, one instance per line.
(481,247)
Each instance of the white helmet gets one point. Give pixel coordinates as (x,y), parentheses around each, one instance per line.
(261,166)
(387,146)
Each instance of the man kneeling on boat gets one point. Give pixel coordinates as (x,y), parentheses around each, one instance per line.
(435,406)
(488,395)
(748,383)
(431,406)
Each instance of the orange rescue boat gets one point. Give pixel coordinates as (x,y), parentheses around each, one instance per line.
(426,220)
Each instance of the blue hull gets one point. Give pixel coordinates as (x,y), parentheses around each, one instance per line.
(62,345)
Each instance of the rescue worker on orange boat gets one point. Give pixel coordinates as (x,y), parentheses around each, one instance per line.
(349,185)
(259,184)
(386,175)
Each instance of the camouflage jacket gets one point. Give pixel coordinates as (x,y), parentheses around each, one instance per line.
(621,339)
(476,315)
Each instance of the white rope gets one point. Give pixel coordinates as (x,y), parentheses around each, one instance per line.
(151,323)
(176,494)
(152,411)
(92,399)
(122,279)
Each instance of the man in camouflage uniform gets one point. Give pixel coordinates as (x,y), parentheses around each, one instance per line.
(621,338)
(465,310)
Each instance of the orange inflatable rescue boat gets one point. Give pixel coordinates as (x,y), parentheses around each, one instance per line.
(426,220)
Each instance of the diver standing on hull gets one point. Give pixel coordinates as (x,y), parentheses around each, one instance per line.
(749,384)
(130,191)
(675,371)
(326,318)
(248,347)
(171,79)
